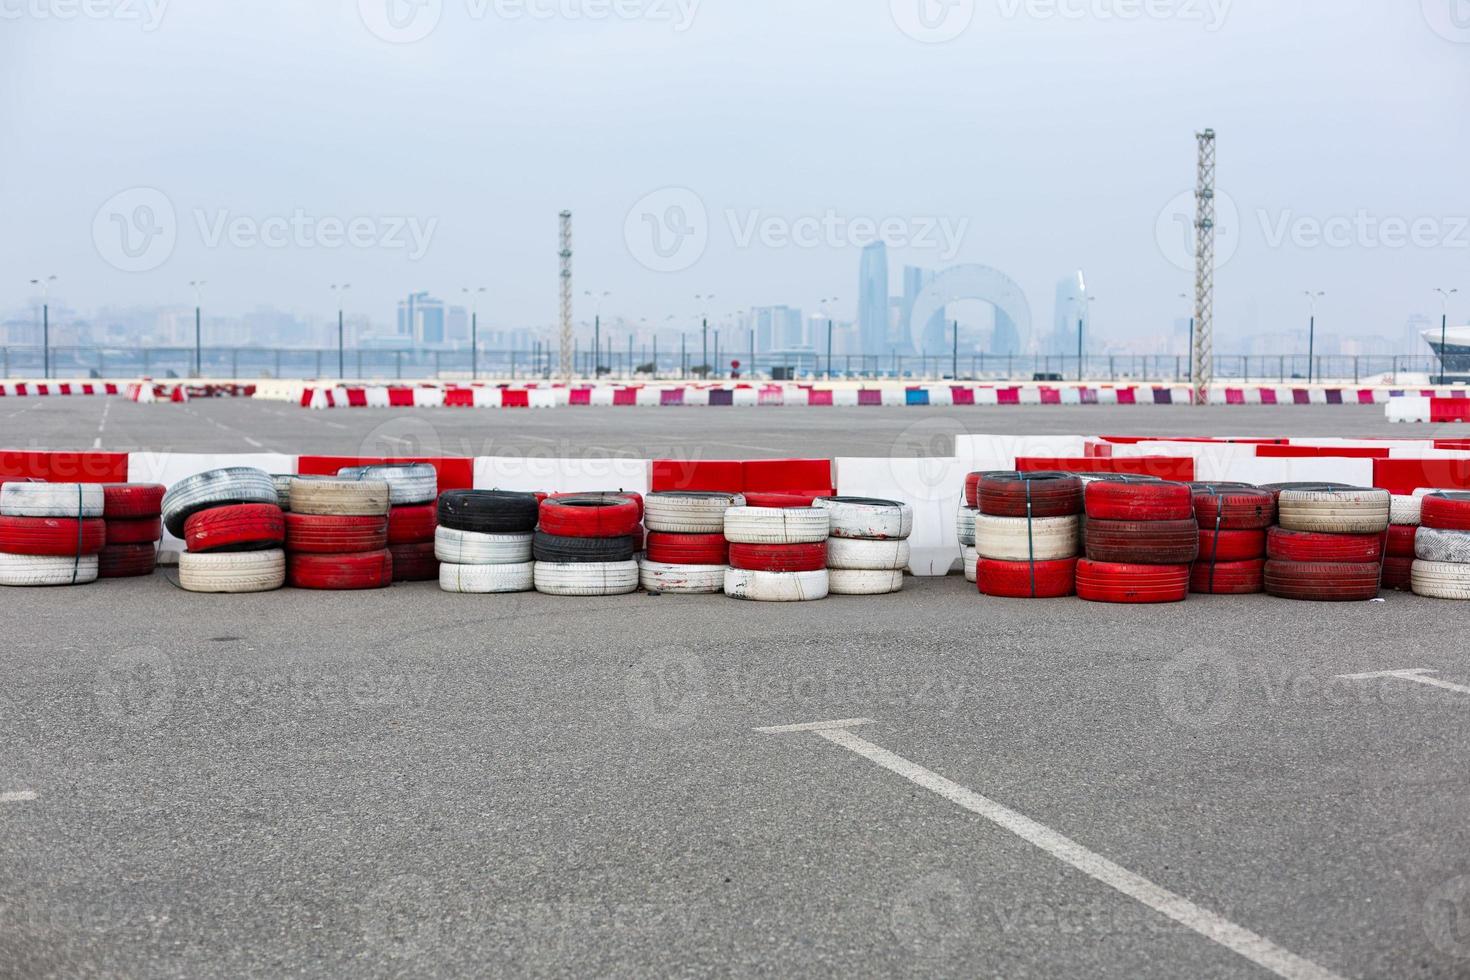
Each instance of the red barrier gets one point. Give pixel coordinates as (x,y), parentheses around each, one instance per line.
(92,467)
(514,398)
(1449,409)
(454,473)
(1164,467)
(1319,452)
(400,398)
(698,475)
(1404,476)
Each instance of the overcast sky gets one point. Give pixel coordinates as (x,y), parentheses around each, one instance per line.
(744,148)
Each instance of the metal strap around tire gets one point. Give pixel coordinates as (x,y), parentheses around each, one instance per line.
(76,561)
(1030,541)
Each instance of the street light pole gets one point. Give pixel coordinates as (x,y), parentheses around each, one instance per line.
(474,330)
(341,331)
(1444,327)
(1185,296)
(1082,303)
(198,285)
(1312,334)
(45,285)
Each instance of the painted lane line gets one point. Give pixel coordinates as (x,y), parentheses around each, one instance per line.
(1213,927)
(19,796)
(816,726)
(1416,675)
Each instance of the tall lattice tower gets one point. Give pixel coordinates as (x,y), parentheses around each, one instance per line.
(1202,358)
(566,295)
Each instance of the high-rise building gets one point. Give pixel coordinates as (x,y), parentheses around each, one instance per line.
(873,299)
(777,328)
(421,317)
(1071,307)
(932,337)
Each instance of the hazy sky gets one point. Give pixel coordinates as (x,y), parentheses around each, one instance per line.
(150,142)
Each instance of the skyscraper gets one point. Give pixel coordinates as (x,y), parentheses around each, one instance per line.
(1071,305)
(873,299)
(421,317)
(931,337)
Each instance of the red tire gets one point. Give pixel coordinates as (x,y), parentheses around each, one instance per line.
(126,560)
(412,525)
(132,500)
(1227,546)
(1023,580)
(779,501)
(590,516)
(1446,511)
(340,573)
(315,534)
(1400,542)
(1398,573)
(142,530)
(1315,581)
(240,527)
(1228,577)
(688,549)
(57,537)
(1010,494)
(779,557)
(1234,508)
(1131,584)
(972,490)
(1143,542)
(1160,501)
(414,562)
(636,498)
(1309,546)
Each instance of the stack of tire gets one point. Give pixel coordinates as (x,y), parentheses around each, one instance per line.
(964,527)
(413,494)
(585,545)
(50,533)
(134,516)
(337,535)
(1142,539)
(777,554)
(1026,534)
(867,544)
(687,551)
(1442,547)
(233,529)
(483,541)
(1398,546)
(1328,546)
(1233,520)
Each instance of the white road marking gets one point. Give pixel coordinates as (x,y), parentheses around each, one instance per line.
(253,442)
(20,796)
(815,726)
(1216,928)
(1416,675)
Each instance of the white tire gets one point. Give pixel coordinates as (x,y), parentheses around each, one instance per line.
(848,581)
(964,526)
(878,556)
(29,570)
(233,572)
(1434,545)
(408,485)
(688,513)
(1423,492)
(657,576)
(771,525)
(1011,539)
(340,498)
(1441,580)
(1346,511)
(776,586)
(51,500)
(474,548)
(586,579)
(866,518)
(283,489)
(486,579)
(1405,511)
(972,565)
(216,488)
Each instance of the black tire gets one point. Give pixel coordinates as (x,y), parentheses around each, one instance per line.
(489,511)
(576,551)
